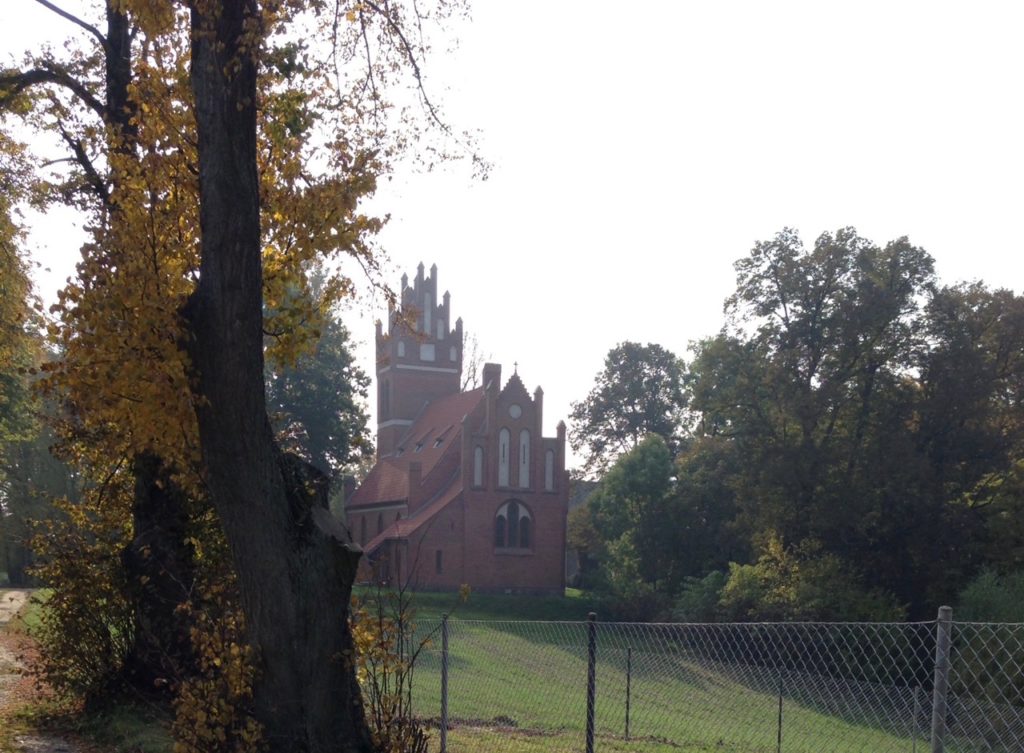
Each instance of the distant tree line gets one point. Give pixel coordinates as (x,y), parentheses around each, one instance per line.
(849,446)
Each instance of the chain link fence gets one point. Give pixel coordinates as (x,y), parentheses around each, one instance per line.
(546,687)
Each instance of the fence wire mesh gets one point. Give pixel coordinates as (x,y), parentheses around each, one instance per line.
(794,687)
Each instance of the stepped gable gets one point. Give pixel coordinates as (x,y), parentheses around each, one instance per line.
(466,489)
(515,389)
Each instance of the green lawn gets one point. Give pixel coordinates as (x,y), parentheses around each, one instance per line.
(517,684)
(523,688)
(431,606)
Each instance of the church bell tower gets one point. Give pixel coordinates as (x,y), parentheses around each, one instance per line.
(419,358)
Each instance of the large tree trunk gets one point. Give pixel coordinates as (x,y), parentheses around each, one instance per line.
(295,573)
(160,569)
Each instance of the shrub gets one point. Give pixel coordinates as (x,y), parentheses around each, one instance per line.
(86,629)
(699,597)
(991,598)
(801,583)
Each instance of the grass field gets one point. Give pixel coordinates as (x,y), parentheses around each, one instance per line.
(523,688)
(574,606)
(517,684)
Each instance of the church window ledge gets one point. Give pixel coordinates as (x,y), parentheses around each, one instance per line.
(513,552)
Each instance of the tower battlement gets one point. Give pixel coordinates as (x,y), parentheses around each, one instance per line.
(419,357)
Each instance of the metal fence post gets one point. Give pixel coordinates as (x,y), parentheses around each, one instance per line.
(778,742)
(444,684)
(917,717)
(940,690)
(629,682)
(591,677)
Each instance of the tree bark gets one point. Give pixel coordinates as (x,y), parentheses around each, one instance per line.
(159,569)
(295,572)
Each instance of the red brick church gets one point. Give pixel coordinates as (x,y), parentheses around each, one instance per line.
(465,488)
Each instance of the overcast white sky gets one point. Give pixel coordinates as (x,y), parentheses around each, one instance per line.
(640,149)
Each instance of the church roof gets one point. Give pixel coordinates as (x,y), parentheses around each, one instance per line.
(434,431)
(406,526)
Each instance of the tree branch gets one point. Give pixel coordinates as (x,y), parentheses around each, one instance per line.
(413,63)
(12,84)
(98,185)
(77,21)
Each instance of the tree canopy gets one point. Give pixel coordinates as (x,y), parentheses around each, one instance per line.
(639,392)
(853,416)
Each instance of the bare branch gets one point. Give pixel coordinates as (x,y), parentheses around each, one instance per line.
(77,21)
(410,55)
(13,84)
(369,67)
(52,162)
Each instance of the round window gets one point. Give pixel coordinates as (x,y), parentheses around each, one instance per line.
(515,411)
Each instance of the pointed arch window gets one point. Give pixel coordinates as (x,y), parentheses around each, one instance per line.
(524,458)
(513,526)
(504,439)
(478,466)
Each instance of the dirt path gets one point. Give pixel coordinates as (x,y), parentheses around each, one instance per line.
(10,648)
(17,689)
(11,601)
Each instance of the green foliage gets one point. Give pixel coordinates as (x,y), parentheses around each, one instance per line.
(31,479)
(639,392)
(27,471)
(851,404)
(800,583)
(583,538)
(633,511)
(854,403)
(698,599)
(992,598)
(318,403)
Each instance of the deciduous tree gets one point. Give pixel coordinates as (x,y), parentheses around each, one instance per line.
(217,156)
(318,403)
(639,392)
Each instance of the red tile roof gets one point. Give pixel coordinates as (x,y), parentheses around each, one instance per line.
(439,420)
(407,526)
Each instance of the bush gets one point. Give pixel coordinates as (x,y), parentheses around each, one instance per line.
(801,583)
(699,597)
(991,598)
(86,629)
